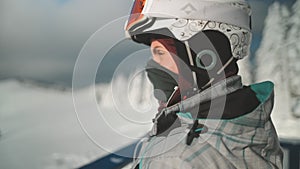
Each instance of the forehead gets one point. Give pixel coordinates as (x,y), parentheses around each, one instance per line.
(157,44)
(164,43)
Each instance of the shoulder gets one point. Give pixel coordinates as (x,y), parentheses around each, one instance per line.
(263,90)
(249,98)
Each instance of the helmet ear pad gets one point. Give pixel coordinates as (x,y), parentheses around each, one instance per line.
(210,51)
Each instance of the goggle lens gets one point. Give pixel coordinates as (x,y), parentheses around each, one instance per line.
(136,13)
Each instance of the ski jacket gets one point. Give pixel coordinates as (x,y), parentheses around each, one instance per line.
(248,140)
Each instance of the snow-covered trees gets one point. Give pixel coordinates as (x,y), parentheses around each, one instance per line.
(271,57)
(293,54)
(278,60)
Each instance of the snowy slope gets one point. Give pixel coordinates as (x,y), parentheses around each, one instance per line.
(39,127)
(278,60)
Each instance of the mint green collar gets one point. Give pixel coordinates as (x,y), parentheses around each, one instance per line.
(263,90)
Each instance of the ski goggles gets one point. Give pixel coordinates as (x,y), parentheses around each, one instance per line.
(136,15)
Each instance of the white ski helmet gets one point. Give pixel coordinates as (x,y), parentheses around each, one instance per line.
(184,19)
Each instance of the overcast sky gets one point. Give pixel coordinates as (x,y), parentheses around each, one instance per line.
(41,39)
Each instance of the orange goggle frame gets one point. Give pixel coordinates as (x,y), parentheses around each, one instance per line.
(136,13)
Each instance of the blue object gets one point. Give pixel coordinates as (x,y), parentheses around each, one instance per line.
(116,160)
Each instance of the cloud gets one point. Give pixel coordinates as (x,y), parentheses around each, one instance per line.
(41,39)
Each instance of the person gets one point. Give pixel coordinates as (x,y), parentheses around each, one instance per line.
(207,118)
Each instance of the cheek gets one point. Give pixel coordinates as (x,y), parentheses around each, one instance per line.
(169,63)
(157,58)
(174,67)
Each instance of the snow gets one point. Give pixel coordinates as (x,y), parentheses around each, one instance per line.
(278,60)
(293,51)
(39,126)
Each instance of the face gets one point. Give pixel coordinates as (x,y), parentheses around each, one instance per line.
(162,56)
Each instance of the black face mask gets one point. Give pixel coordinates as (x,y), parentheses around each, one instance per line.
(163,80)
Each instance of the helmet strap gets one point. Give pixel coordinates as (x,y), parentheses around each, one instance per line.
(225,65)
(189,53)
